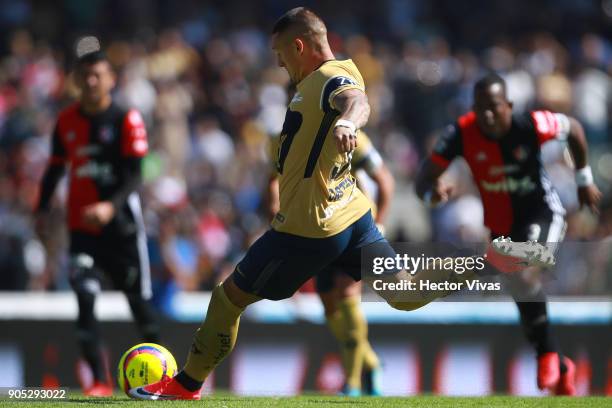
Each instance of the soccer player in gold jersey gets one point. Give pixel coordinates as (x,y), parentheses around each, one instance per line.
(339,292)
(324,219)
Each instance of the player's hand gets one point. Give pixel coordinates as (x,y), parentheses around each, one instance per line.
(589,196)
(98,214)
(441,192)
(346,140)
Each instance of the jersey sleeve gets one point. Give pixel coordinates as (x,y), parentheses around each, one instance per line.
(550,126)
(58,151)
(341,80)
(448,146)
(134,135)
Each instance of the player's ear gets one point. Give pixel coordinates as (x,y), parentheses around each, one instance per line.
(299,45)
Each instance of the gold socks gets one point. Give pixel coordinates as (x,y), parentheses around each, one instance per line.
(215,339)
(350,328)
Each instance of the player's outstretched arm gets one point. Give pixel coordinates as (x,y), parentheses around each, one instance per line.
(353,106)
(354,113)
(429,185)
(588,193)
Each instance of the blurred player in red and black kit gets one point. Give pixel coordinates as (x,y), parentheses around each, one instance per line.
(103,146)
(503,153)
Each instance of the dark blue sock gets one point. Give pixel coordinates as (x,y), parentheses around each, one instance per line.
(188,382)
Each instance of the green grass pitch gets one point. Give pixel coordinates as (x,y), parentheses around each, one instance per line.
(312,401)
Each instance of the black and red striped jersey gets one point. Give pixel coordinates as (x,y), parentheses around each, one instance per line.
(96,149)
(508,172)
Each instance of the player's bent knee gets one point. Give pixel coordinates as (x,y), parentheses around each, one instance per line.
(82,275)
(237,296)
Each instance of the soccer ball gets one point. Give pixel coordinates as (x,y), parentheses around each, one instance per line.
(144,364)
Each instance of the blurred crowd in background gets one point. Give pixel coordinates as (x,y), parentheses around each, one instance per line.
(203,76)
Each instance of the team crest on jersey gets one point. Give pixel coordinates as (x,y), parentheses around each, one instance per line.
(70,136)
(106,134)
(297,98)
(520,153)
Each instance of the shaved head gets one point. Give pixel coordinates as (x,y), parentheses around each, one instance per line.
(301,22)
(299,40)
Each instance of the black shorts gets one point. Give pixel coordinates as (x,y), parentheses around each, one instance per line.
(326,280)
(547,228)
(278,264)
(122,258)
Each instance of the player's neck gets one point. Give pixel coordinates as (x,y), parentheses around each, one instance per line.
(319,58)
(93,108)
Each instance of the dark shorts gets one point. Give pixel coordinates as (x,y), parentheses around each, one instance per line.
(278,264)
(546,228)
(325,281)
(123,259)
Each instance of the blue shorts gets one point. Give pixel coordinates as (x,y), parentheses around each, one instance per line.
(278,264)
(325,281)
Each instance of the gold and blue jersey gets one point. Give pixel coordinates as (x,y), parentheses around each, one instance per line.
(318,195)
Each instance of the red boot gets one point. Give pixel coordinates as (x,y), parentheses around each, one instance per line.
(99,389)
(548,370)
(166,389)
(567,382)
